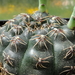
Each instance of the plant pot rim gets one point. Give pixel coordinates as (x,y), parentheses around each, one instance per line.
(3,21)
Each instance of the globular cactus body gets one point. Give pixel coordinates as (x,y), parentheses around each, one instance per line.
(37,44)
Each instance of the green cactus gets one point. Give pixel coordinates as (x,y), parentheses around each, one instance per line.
(37,44)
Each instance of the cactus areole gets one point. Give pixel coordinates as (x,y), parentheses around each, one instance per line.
(38,44)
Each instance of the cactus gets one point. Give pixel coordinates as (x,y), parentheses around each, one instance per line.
(37,44)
